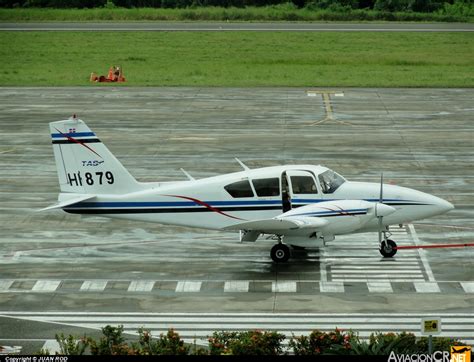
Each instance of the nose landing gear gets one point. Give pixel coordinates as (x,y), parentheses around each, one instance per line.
(388,247)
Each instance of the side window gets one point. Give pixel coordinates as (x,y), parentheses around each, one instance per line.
(303,185)
(239,189)
(267,186)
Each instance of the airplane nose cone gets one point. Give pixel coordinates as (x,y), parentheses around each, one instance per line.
(444,206)
(438,205)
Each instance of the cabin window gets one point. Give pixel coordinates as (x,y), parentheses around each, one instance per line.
(330,181)
(240,189)
(303,185)
(267,186)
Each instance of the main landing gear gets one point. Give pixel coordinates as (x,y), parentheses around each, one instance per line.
(280,252)
(388,247)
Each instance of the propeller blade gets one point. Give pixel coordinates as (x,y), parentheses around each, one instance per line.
(381,188)
(380,230)
(380,201)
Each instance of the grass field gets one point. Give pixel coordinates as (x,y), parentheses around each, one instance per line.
(236,59)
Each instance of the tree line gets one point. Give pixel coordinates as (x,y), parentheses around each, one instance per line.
(380,5)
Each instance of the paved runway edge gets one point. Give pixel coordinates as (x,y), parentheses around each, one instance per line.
(198,326)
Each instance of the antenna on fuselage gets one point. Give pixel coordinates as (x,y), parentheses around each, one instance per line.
(242,164)
(188,175)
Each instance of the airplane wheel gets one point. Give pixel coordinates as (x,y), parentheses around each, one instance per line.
(389,250)
(280,253)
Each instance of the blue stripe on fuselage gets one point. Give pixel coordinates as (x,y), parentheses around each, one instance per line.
(335,212)
(175,203)
(78,134)
(295,202)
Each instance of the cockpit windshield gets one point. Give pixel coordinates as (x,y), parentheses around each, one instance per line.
(330,181)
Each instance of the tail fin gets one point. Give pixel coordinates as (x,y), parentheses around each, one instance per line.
(84,164)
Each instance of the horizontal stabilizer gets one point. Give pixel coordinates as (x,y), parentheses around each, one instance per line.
(70,201)
(271,226)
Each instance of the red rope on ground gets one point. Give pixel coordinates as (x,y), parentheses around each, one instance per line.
(434,246)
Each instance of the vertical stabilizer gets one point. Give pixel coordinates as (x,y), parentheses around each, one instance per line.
(84,163)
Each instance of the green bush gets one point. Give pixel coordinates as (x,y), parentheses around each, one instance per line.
(400,343)
(250,343)
(219,343)
(392,5)
(112,343)
(460,8)
(382,344)
(72,345)
(318,343)
(169,344)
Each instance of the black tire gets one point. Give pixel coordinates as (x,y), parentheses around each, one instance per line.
(389,250)
(280,253)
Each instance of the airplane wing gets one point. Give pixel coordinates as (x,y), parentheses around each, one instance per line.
(70,201)
(279,225)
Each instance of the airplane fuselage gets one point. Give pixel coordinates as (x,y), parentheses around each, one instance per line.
(205,203)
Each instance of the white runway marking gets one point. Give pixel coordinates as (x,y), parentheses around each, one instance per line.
(422,253)
(378,283)
(141,286)
(46,285)
(188,287)
(5,284)
(468,287)
(331,287)
(94,285)
(236,286)
(379,287)
(283,287)
(427,287)
(323,265)
(352,258)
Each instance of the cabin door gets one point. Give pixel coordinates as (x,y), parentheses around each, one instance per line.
(302,188)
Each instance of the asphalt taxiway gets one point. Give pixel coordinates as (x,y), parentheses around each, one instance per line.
(66,273)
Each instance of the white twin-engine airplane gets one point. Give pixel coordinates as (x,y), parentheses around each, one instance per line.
(298,206)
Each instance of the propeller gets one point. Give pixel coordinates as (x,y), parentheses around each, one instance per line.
(382,210)
(380,217)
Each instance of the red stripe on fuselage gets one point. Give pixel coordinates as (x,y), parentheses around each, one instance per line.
(202,203)
(342,212)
